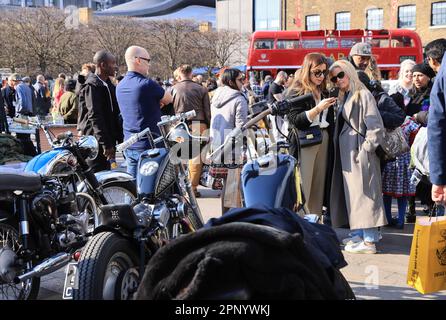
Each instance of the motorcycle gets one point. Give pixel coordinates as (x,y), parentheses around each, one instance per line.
(113,261)
(49,210)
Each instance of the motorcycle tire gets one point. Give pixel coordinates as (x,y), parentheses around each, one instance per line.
(8,228)
(106,269)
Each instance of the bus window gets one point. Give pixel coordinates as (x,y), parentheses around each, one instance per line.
(349,42)
(264,44)
(332,43)
(287,44)
(400,42)
(379,43)
(313,43)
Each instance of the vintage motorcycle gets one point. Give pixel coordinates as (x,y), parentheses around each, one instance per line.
(112,263)
(49,210)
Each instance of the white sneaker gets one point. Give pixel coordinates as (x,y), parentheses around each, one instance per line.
(360,247)
(352,239)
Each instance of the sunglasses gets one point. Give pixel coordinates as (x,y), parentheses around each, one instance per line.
(319,73)
(335,78)
(146,59)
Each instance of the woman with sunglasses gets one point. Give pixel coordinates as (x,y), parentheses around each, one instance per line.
(356,197)
(305,117)
(229,109)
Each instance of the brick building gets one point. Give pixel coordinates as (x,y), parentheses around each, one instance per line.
(426,17)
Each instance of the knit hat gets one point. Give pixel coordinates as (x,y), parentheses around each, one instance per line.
(424,69)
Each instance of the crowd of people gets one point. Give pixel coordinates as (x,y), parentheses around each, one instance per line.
(343,178)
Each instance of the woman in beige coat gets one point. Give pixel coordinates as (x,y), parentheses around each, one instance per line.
(356,196)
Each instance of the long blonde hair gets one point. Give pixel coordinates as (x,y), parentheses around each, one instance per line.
(355,85)
(302,83)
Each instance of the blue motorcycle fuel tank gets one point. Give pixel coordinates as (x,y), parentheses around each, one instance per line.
(270,180)
(39,161)
(154,173)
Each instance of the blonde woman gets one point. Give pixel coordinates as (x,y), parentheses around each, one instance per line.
(315,158)
(402,90)
(356,198)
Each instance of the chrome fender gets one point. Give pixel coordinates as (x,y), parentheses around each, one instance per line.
(105,177)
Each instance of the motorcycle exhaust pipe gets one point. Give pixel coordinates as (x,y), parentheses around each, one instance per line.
(46,267)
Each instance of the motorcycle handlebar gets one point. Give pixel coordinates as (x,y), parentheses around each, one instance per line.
(165,120)
(133,139)
(64,135)
(278,108)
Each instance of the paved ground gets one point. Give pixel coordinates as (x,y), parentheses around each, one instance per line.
(379,276)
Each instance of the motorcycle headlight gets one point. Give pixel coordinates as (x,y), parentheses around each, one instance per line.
(90,146)
(149,168)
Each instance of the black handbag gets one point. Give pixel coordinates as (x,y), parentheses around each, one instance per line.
(309,137)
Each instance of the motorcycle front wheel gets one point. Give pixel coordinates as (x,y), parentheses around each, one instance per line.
(115,192)
(28,290)
(107,269)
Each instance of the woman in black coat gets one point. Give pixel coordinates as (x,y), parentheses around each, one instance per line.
(310,121)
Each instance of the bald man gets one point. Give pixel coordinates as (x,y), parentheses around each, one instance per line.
(98,113)
(140,100)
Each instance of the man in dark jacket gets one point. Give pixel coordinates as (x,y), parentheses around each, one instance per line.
(43,97)
(9,95)
(3,122)
(436,127)
(99,110)
(187,96)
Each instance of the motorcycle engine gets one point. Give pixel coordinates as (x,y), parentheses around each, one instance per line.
(55,210)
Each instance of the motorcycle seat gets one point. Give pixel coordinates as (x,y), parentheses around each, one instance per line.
(14,180)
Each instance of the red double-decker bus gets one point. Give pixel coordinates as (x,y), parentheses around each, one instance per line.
(272,51)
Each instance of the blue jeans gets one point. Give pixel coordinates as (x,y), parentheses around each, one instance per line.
(402,205)
(368,235)
(132,157)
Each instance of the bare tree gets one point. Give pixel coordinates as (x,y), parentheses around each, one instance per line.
(169,40)
(116,34)
(40,36)
(219,47)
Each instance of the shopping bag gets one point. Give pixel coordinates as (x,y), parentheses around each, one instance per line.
(427,264)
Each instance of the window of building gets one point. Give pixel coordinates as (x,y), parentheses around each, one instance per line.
(375,19)
(438,13)
(264,44)
(267,14)
(407,16)
(287,44)
(312,22)
(342,21)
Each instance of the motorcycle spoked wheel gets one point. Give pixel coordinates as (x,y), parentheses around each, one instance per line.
(116,192)
(192,218)
(107,269)
(28,290)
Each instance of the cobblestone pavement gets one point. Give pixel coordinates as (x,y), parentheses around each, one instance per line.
(378,276)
